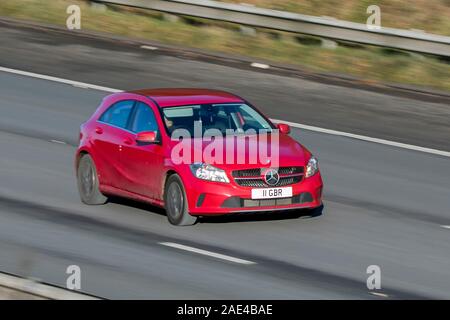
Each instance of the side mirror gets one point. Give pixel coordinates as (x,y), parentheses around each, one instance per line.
(284,128)
(147,137)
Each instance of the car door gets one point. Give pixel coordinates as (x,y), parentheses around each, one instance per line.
(143,164)
(108,137)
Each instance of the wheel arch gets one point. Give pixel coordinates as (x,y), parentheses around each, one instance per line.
(79,155)
(169,173)
(84,151)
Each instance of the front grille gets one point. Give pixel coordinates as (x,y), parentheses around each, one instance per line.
(247,173)
(290,170)
(269,202)
(259,183)
(253,177)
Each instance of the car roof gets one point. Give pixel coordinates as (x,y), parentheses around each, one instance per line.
(167,97)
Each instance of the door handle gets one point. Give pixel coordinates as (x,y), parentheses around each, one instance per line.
(99,130)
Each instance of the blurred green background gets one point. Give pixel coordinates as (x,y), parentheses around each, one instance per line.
(432,16)
(370,64)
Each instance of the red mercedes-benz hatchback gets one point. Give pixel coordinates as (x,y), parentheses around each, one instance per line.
(196,152)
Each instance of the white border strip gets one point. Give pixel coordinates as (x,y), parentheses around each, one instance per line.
(149,47)
(365,138)
(379,294)
(60,80)
(206,253)
(260,65)
(292,124)
(38,289)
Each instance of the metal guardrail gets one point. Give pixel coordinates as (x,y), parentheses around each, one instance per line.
(297,23)
(33,288)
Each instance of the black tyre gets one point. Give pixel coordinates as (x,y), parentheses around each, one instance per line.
(88,185)
(315,212)
(176,204)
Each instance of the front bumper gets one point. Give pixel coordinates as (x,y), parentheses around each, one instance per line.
(214,198)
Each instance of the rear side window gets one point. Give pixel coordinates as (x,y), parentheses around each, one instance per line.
(144,119)
(118,114)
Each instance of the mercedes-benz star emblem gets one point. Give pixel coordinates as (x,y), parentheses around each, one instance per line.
(271,177)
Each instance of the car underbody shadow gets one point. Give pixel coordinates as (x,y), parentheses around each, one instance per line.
(264,216)
(227,218)
(136,204)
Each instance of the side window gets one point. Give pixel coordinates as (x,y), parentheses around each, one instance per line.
(117,115)
(144,119)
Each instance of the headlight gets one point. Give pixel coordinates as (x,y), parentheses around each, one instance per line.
(312,168)
(208,172)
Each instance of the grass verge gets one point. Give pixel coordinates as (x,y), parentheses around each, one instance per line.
(430,16)
(372,64)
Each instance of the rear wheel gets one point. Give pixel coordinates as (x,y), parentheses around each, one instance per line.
(176,204)
(88,184)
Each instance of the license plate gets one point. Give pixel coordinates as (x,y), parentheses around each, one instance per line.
(272,193)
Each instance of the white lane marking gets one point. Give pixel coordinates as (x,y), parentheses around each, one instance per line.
(378,294)
(293,124)
(365,138)
(82,86)
(260,65)
(149,47)
(60,80)
(58,141)
(446,227)
(206,253)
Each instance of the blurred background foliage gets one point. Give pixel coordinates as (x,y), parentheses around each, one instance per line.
(370,64)
(432,16)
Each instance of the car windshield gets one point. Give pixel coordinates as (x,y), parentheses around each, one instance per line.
(238,117)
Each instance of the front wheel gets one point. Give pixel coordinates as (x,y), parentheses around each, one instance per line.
(88,184)
(176,204)
(315,212)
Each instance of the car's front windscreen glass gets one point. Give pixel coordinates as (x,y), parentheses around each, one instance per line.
(226,118)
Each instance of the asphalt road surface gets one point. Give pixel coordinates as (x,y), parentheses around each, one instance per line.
(384,206)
